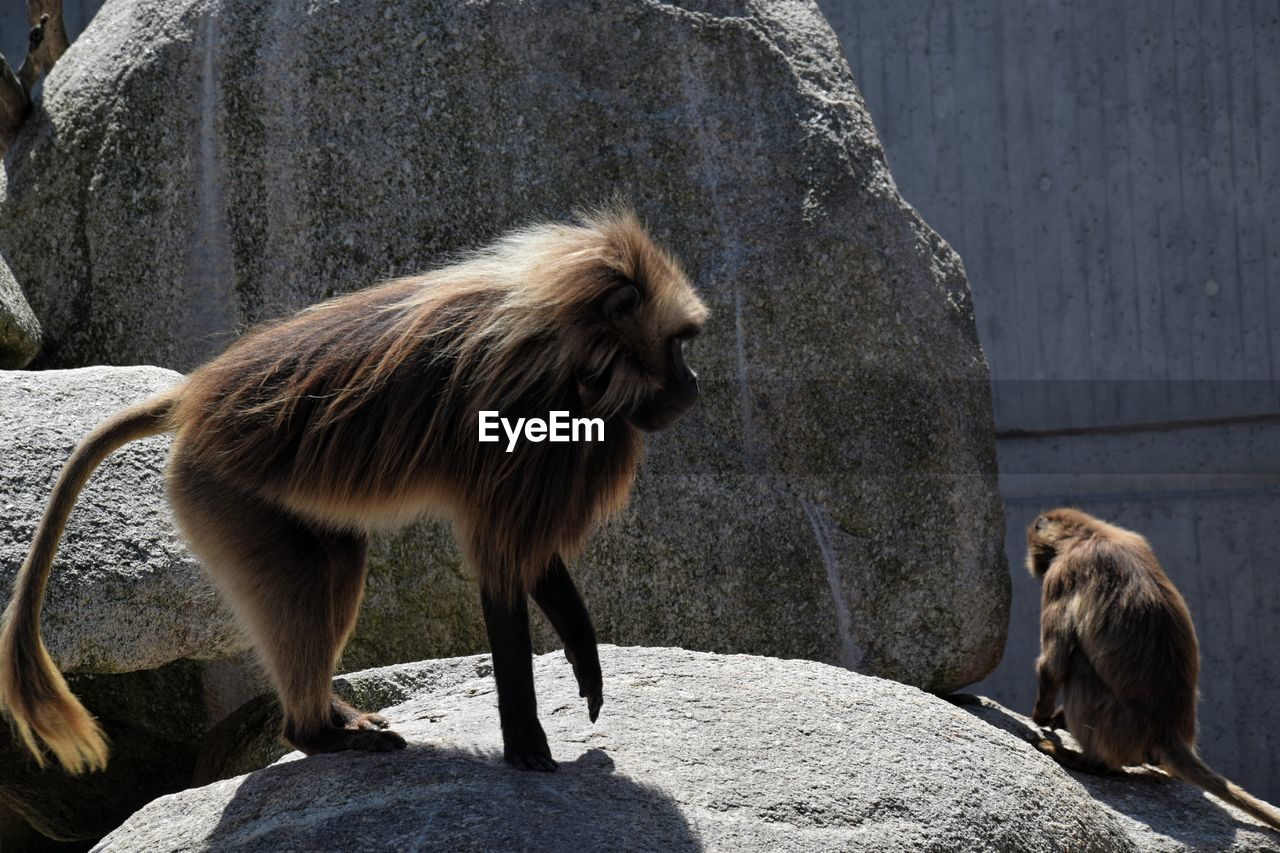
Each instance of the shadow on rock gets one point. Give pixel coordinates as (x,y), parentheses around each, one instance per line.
(152,720)
(427,798)
(1144,796)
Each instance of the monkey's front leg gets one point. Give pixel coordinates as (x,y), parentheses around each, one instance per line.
(524,744)
(556,594)
(1050,671)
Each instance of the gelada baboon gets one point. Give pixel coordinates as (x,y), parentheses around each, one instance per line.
(1116,640)
(360,413)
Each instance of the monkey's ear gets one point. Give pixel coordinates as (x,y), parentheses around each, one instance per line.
(620,303)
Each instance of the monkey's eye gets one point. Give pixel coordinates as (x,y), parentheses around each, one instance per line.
(622,302)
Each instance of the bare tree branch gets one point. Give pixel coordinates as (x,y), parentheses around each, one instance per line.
(48,15)
(15,89)
(15,103)
(29,73)
(46,43)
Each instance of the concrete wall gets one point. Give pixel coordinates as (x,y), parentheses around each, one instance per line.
(1110,174)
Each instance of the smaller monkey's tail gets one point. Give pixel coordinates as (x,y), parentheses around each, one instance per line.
(1181,761)
(33,694)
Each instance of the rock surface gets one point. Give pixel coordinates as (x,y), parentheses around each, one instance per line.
(124,594)
(19,329)
(691,751)
(203,164)
(1158,813)
(154,721)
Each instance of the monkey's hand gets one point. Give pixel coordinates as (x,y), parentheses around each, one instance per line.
(1052,719)
(590,681)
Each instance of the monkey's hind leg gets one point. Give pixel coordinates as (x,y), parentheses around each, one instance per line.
(298,590)
(1052,746)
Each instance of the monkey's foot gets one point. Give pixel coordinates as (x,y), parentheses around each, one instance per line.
(344,716)
(340,739)
(529,751)
(1070,759)
(521,760)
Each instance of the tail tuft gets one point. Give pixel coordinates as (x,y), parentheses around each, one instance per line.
(42,709)
(33,694)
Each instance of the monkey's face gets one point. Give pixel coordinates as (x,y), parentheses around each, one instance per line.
(1047,535)
(677,395)
(1041,547)
(646,315)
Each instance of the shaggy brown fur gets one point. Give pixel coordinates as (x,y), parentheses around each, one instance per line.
(1117,640)
(361,412)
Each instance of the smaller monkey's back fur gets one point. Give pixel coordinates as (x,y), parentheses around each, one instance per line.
(1117,641)
(362,412)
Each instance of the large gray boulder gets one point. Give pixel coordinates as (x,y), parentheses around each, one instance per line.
(204,164)
(692,751)
(19,329)
(124,594)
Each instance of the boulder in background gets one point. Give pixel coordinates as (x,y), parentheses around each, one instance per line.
(199,166)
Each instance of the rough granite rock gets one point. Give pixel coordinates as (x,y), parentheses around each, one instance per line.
(19,329)
(692,751)
(203,164)
(1158,813)
(124,594)
(154,721)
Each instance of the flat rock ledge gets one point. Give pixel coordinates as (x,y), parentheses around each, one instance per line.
(692,751)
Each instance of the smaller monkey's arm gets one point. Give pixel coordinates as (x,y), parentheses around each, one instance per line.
(1051,666)
(556,594)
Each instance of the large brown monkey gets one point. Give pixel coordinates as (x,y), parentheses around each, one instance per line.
(361,412)
(1117,640)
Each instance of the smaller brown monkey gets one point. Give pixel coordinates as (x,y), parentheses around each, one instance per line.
(1116,640)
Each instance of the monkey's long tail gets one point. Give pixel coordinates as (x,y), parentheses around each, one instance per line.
(33,694)
(1180,760)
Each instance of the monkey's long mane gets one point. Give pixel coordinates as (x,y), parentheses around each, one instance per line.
(348,408)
